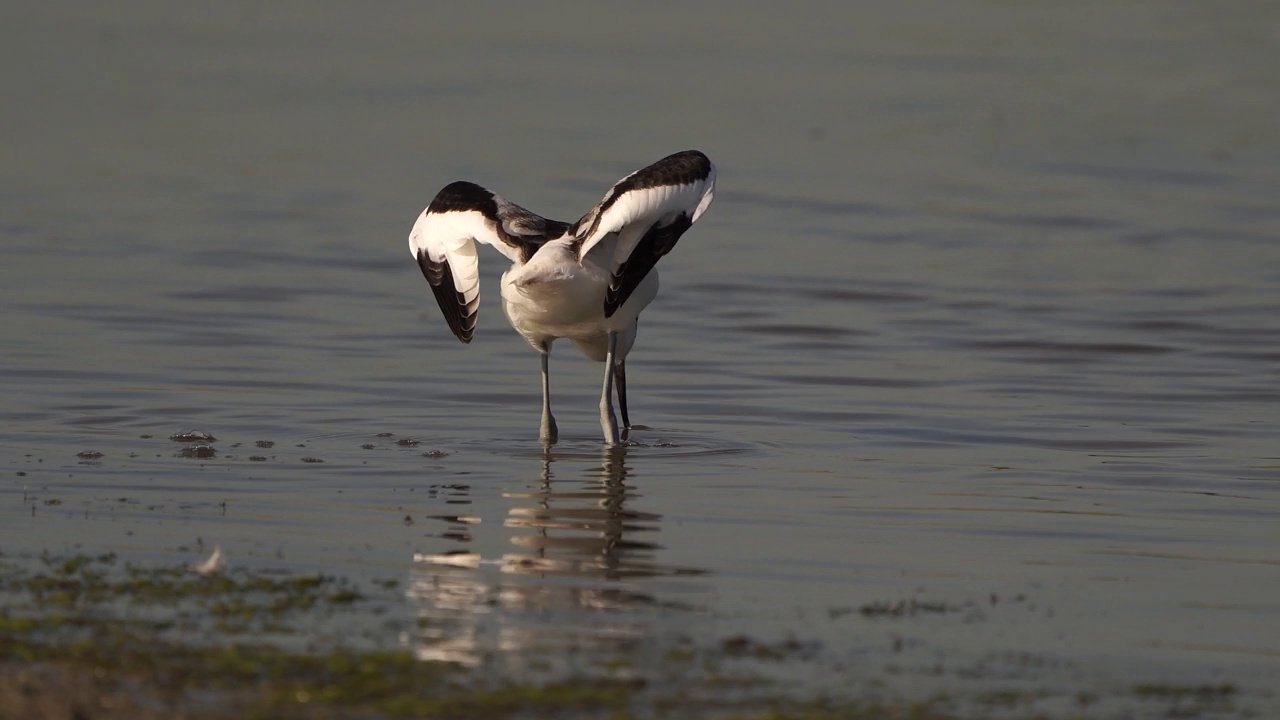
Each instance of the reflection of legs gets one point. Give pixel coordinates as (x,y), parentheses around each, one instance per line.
(548,434)
(607,422)
(620,380)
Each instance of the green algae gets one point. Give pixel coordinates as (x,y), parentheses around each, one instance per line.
(67,615)
(392,683)
(78,615)
(242,600)
(1204,692)
(177,637)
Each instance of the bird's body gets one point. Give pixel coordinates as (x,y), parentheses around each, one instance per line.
(587,281)
(554,296)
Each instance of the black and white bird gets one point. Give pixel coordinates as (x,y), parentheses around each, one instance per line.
(587,281)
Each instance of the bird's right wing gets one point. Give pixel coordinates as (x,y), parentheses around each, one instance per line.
(648,210)
(443,241)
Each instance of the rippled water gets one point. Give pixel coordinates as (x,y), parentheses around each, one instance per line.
(985,316)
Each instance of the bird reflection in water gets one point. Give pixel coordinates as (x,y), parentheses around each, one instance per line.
(581,582)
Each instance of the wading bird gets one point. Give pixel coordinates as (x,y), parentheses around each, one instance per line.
(586,281)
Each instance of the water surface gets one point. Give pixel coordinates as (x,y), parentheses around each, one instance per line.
(984,317)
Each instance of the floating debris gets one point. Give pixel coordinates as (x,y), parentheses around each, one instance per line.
(265,444)
(743,646)
(435,454)
(458,559)
(407,442)
(212,565)
(192,436)
(467,519)
(199,451)
(309,459)
(913,607)
(89,455)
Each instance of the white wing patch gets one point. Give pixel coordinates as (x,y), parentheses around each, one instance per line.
(633,212)
(450,236)
(636,211)
(647,211)
(443,241)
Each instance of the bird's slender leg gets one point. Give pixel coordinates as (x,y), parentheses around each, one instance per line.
(548,434)
(607,422)
(620,381)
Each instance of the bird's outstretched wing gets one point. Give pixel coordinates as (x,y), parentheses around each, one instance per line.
(649,210)
(443,241)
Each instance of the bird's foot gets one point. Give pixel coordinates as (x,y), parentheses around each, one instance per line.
(549,433)
(609,426)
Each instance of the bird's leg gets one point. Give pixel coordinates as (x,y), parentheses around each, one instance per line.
(548,434)
(620,380)
(607,422)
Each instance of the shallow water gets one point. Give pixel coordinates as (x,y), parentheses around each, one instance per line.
(984,316)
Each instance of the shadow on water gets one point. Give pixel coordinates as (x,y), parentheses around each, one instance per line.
(564,588)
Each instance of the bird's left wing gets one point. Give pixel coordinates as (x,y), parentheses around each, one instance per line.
(649,210)
(443,241)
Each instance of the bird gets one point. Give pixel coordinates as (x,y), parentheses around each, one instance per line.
(587,281)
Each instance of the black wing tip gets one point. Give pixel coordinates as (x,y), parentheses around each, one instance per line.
(682,168)
(461,195)
(615,296)
(685,166)
(460,317)
(462,186)
(656,243)
(694,156)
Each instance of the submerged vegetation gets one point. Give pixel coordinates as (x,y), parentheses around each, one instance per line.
(90,636)
(75,629)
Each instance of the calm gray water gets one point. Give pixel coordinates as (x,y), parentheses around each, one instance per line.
(985,315)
